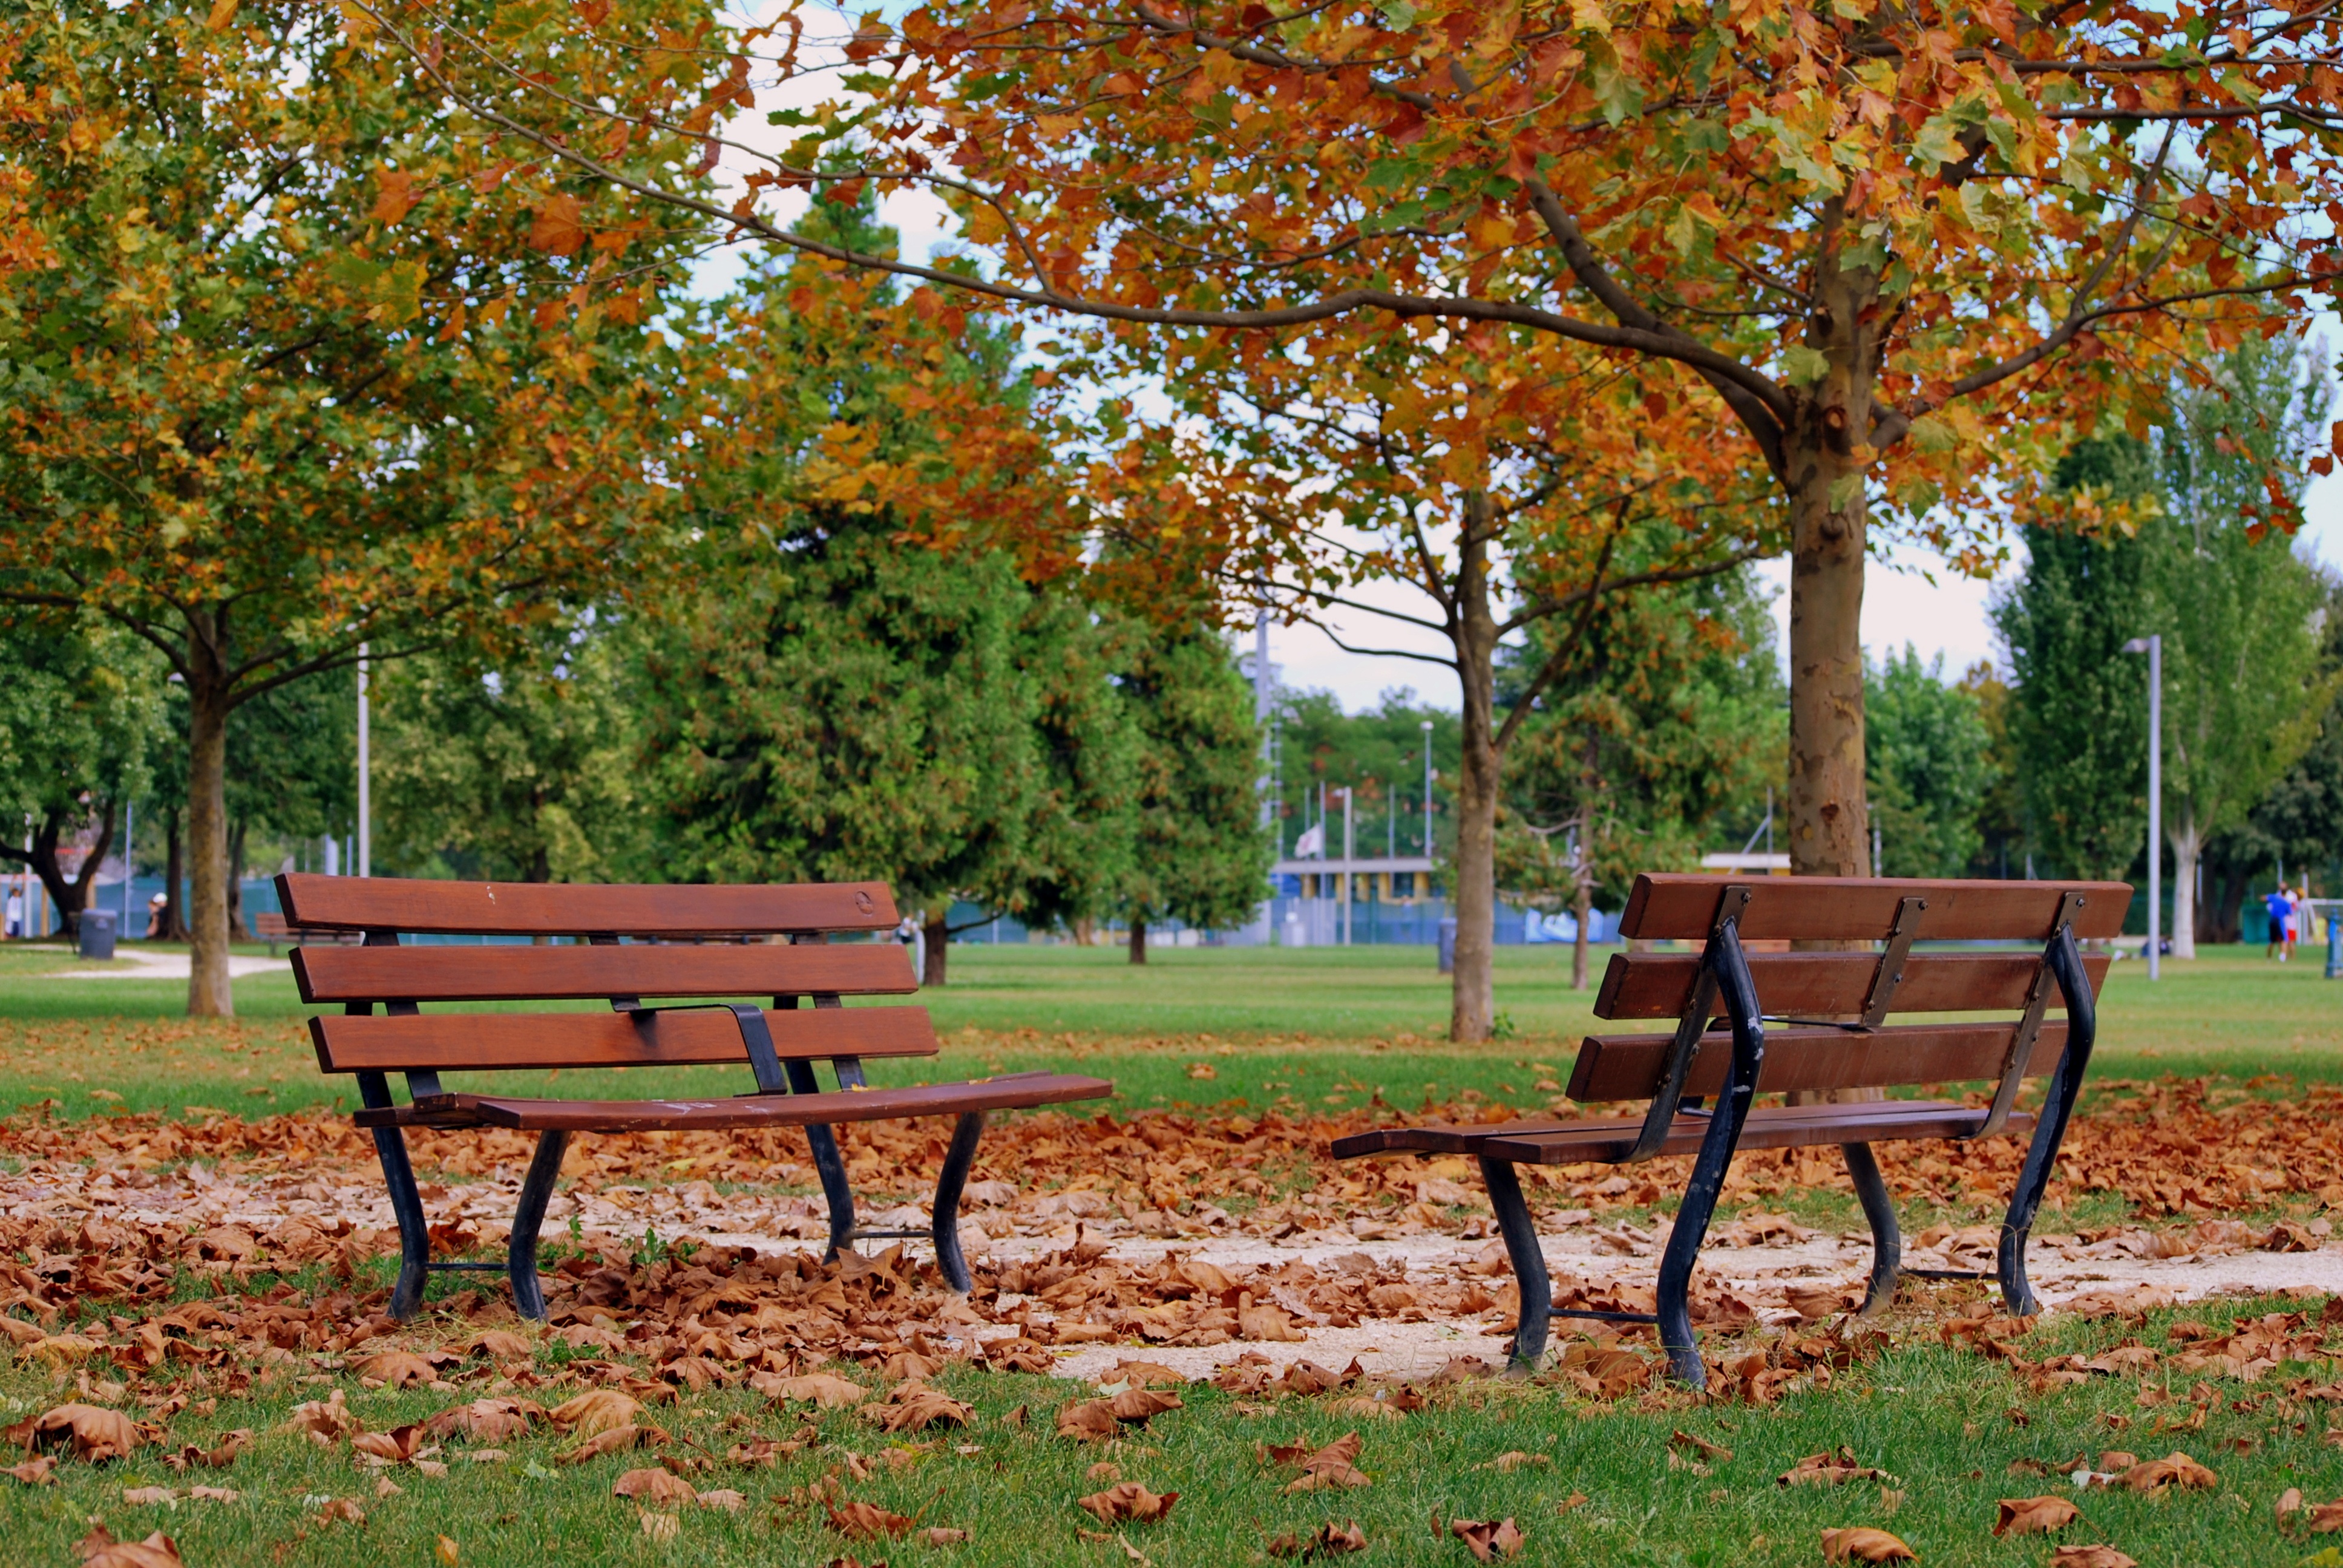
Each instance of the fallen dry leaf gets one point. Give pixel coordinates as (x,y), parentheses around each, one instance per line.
(1145,1374)
(1514,1459)
(725,1498)
(1334,1465)
(1575,1500)
(1127,1500)
(1329,1540)
(447,1551)
(486,1420)
(100,1549)
(866,1520)
(615,1440)
(2289,1502)
(1833,1469)
(1488,1539)
(502,1344)
(396,1369)
(1861,1543)
(1715,1452)
(219,1456)
(2326,1518)
(143,1496)
(1087,1421)
(944,1536)
(91,1432)
(2175,1469)
(597,1410)
(1136,1404)
(655,1486)
(2091,1557)
(41,1471)
(823,1389)
(659,1526)
(326,1421)
(2035,1515)
(341,1507)
(916,1408)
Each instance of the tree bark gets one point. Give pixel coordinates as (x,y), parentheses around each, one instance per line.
(208,715)
(1138,938)
(936,934)
(1473,1006)
(238,828)
(71,896)
(1582,908)
(2188,844)
(1824,451)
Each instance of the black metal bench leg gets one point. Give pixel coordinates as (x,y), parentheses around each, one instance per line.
(414,1234)
(832,1166)
(529,1219)
(1683,1253)
(1886,1242)
(2058,1103)
(944,1217)
(1513,1223)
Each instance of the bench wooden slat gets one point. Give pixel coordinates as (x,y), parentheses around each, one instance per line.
(1015,1090)
(1628,1066)
(1841,908)
(1607,1140)
(572,909)
(488,1042)
(1659,985)
(636,970)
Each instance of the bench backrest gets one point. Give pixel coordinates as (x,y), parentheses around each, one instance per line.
(634,943)
(1848,996)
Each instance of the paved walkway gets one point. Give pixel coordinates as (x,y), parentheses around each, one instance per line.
(130,961)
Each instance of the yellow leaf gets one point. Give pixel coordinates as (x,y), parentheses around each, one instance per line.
(222,12)
(448,1552)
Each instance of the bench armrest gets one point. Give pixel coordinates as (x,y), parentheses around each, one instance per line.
(763,1060)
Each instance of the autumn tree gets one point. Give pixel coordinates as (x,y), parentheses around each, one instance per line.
(303,364)
(1910,251)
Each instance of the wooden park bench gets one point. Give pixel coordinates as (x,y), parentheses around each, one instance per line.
(270,927)
(686,942)
(1828,1014)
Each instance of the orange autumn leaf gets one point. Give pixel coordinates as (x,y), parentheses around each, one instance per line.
(559,226)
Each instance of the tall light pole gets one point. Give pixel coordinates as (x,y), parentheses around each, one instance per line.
(2154,647)
(1427,800)
(1349,846)
(365,789)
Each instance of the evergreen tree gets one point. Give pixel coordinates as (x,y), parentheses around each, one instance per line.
(1200,854)
(1926,765)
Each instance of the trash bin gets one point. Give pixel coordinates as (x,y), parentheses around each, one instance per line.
(1448,947)
(96,933)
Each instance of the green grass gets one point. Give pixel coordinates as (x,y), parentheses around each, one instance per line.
(1936,1419)
(1275,1025)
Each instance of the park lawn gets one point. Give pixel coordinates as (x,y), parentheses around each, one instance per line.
(1947,1425)
(1305,1027)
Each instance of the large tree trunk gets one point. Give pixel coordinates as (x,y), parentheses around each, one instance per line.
(1138,938)
(1582,908)
(208,714)
(1473,1009)
(2186,845)
(936,933)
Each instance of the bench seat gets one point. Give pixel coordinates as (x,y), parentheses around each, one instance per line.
(1010,1090)
(1608,1140)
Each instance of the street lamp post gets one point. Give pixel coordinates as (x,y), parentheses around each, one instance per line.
(1427,795)
(2154,647)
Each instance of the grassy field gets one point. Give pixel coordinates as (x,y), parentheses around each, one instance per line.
(1295,1028)
(1270,1023)
(1955,1433)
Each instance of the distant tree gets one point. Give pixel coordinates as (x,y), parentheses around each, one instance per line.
(80,710)
(2001,816)
(2243,692)
(1199,853)
(523,773)
(1670,722)
(1380,754)
(2077,714)
(1927,766)
(1076,849)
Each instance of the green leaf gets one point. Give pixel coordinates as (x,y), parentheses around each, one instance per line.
(1932,434)
(1398,15)
(1845,491)
(1937,144)
(1804,366)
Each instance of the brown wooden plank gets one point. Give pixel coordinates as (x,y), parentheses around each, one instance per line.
(1011,1091)
(1839,908)
(632,969)
(488,1041)
(1610,1138)
(577,908)
(1659,985)
(1628,1066)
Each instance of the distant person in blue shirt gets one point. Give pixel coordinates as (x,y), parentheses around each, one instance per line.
(2280,905)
